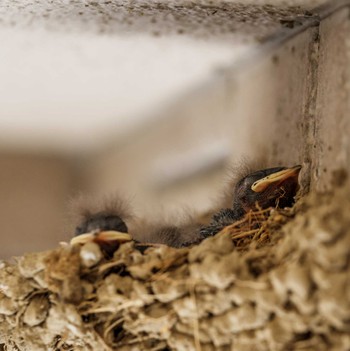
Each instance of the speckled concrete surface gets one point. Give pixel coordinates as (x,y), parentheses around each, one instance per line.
(222,20)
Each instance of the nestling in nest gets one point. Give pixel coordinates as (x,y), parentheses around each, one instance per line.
(253,197)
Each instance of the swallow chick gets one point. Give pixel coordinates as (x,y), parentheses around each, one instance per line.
(106,222)
(102,221)
(271,187)
(180,231)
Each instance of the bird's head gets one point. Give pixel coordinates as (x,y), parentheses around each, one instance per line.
(272,187)
(102,221)
(108,231)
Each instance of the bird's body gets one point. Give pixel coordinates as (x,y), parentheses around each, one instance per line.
(220,219)
(181,235)
(272,187)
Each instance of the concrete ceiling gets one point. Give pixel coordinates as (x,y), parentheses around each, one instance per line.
(77,73)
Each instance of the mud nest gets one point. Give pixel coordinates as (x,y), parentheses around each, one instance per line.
(276,280)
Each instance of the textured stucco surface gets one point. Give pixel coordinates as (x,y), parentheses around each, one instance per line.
(332,128)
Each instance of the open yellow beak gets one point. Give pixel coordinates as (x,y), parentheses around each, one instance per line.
(109,235)
(278,177)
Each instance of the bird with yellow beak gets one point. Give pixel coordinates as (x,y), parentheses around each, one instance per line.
(271,187)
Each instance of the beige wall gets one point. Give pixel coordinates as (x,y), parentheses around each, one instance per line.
(289,105)
(34,193)
(332,130)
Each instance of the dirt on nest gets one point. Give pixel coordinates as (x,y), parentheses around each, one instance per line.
(277,280)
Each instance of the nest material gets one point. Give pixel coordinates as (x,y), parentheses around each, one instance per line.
(276,280)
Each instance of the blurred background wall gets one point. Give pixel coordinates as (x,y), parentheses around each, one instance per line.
(157,100)
(34,192)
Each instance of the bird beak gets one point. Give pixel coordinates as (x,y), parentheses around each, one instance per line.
(104,236)
(277,177)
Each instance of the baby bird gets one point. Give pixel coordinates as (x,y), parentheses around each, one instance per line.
(102,221)
(272,187)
